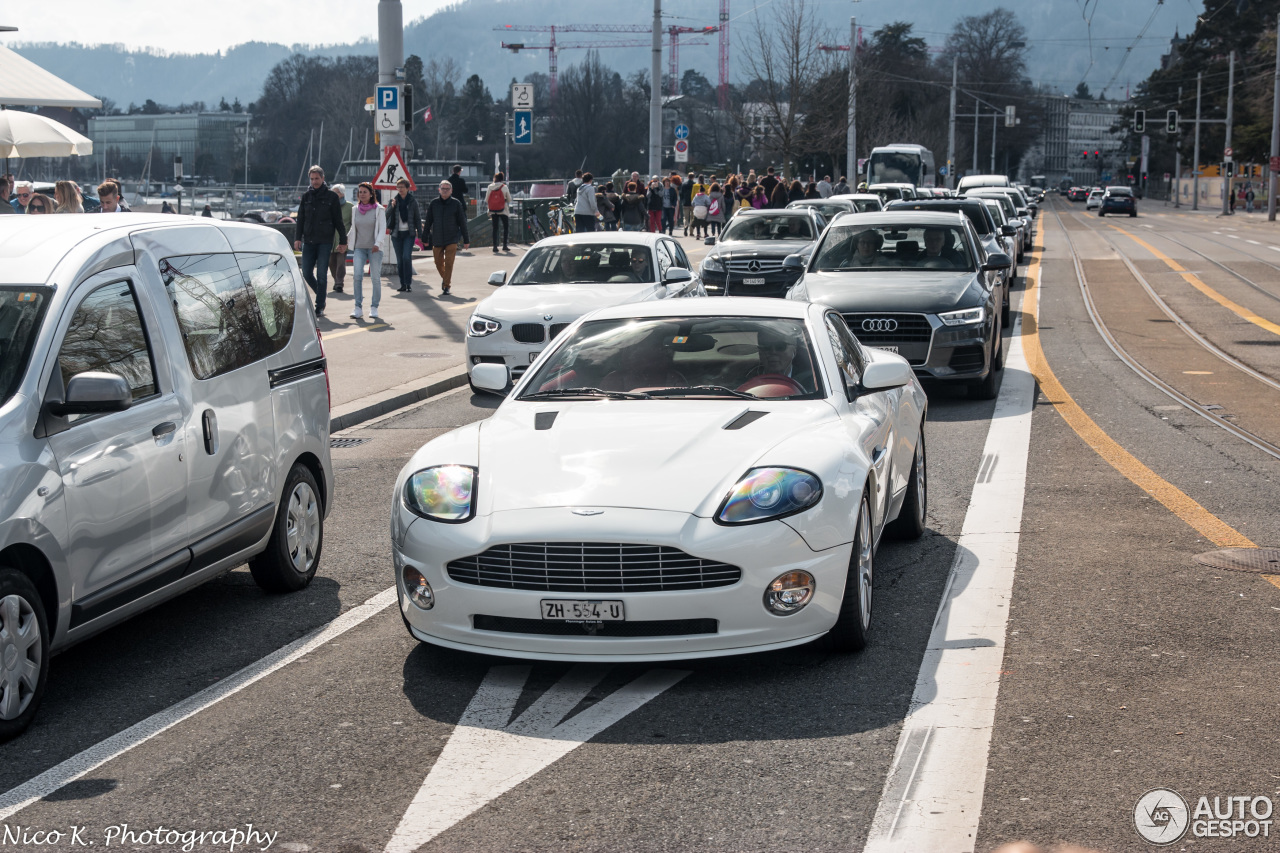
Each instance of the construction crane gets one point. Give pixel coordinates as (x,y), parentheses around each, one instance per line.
(553,49)
(673,32)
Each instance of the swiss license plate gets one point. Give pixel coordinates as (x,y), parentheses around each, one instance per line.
(753,281)
(886,349)
(570,610)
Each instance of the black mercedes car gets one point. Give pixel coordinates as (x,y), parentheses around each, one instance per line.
(747,258)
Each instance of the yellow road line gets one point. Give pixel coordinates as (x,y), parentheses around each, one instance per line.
(329,337)
(1275,579)
(1179,503)
(1194,280)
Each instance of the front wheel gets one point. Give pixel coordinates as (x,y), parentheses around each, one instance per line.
(989,388)
(24,652)
(293,551)
(1101,213)
(849,634)
(910,521)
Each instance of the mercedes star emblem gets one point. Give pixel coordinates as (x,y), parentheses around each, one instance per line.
(753,266)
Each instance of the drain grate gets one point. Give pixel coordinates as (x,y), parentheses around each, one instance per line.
(346,442)
(1262,561)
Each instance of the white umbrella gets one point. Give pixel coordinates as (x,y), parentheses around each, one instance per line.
(25,134)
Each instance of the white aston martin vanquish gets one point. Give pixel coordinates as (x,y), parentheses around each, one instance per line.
(668,480)
(562,278)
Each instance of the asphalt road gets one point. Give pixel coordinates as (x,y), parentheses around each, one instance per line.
(1127,666)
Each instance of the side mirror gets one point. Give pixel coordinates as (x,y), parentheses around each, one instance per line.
(886,373)
(997,261)
(499,278)
(710,241)
(1024,212)
(94,393)
(1009,230)
(677,275)
(490,377)
(794,263)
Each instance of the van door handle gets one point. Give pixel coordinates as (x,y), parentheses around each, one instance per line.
(210,423)
(166,428)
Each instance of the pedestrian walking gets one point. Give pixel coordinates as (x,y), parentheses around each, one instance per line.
(604,206)
(6,187)
(459,184)
(319,218)
(686,202)
(770,182)
(498,201)
(404,225)
(715,210)
(825,188)
(795,192)
(778,198)
(634,212)
(585,208)
(758,199)
(653,202)
(571,188)
(337,260)
(1248,198)
(165,207)
(443,228)
(608,202)
(368,229)
(670,203)
(207,213)
(842,187)
(66,196)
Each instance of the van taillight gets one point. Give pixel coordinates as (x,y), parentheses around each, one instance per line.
(327,392)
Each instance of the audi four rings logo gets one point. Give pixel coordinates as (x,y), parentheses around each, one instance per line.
(883,324)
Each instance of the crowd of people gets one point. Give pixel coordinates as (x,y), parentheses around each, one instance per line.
(699,204)
(21,197)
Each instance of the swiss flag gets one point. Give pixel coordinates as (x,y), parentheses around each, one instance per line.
(426,115)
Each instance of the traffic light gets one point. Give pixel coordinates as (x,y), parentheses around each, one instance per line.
(1229,169)
(1139,121)
(1171,122)
(1084,155)
(1097,155)
(408,106)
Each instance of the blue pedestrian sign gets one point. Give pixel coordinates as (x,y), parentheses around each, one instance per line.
(682,131)
(522,123)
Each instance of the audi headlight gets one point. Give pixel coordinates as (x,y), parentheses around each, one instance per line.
(442,493)
(768,493)
(967,317)
(712,264)
(481,326)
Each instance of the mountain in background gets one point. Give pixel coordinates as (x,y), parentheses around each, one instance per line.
(1059,53)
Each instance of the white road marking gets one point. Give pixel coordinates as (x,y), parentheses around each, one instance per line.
(1274,248)
(488,754)
(1234,236)
(16,799)
(932,798)
(1254,242)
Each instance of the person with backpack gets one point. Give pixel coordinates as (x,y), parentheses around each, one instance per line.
(605,206)
(700,204)
(585,209)
(498,200)
(715,210)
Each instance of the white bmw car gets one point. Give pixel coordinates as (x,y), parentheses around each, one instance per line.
(668,480)
(560,279)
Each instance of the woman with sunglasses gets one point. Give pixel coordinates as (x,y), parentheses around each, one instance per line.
(40,203)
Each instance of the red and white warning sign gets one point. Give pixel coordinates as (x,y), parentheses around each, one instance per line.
(393,168)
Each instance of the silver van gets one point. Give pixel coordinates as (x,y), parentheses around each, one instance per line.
(164,417)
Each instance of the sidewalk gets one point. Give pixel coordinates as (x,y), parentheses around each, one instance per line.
(416,348)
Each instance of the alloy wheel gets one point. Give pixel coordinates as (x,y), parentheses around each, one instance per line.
(865,565)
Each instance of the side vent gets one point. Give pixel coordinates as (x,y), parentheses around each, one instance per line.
(544,420)
(745,419)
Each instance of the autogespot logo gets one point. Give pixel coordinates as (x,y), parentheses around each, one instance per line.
(1161,816)
(880,324)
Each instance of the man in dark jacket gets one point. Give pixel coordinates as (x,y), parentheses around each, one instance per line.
(459,185)
(319,218)
(444,226)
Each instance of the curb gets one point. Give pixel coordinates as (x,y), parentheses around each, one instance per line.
(360,411)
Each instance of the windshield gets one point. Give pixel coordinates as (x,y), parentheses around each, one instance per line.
(975,213)
(596,263)
(828,209)
(1006,203)
(996,211)
(866,204)
(894,168)
(671,357)
(1119,191)
(21,310)
(887,194)
(769,228)
(893,247)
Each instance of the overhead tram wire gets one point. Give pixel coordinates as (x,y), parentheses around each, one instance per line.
(1155,381)
(1128,50)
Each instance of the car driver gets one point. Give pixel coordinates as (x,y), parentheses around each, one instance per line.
(778,358)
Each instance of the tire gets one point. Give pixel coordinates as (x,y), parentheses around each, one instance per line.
(910,523)
(1100,213)
(849,634)
(24,652)
(1133,215)
(297,537)
(1006,309)
(989,388)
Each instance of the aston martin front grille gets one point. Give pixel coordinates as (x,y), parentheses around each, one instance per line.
(591,567)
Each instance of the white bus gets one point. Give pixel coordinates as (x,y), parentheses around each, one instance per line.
(901,164)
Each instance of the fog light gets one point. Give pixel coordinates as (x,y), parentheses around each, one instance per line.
(418,590)
(788,593)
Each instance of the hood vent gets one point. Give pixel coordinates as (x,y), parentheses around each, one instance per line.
(745,419)
(544,420)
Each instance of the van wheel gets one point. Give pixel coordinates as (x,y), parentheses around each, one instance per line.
(293,551)
(849,634)
(24,652)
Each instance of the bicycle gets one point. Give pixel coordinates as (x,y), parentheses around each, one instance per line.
(560,223)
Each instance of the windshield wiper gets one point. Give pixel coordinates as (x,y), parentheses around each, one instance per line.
(701,390)
(587,392)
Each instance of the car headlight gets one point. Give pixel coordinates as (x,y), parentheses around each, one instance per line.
(712,264)
(768,493)
(967,317)
(481,326)
(442,493)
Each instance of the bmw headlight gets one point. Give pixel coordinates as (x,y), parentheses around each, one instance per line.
(967,317)
(712,264)
(442,493)
(481,326)
(768,493)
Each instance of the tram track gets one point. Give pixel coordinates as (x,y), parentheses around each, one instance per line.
(1234,273)
(1141,370)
